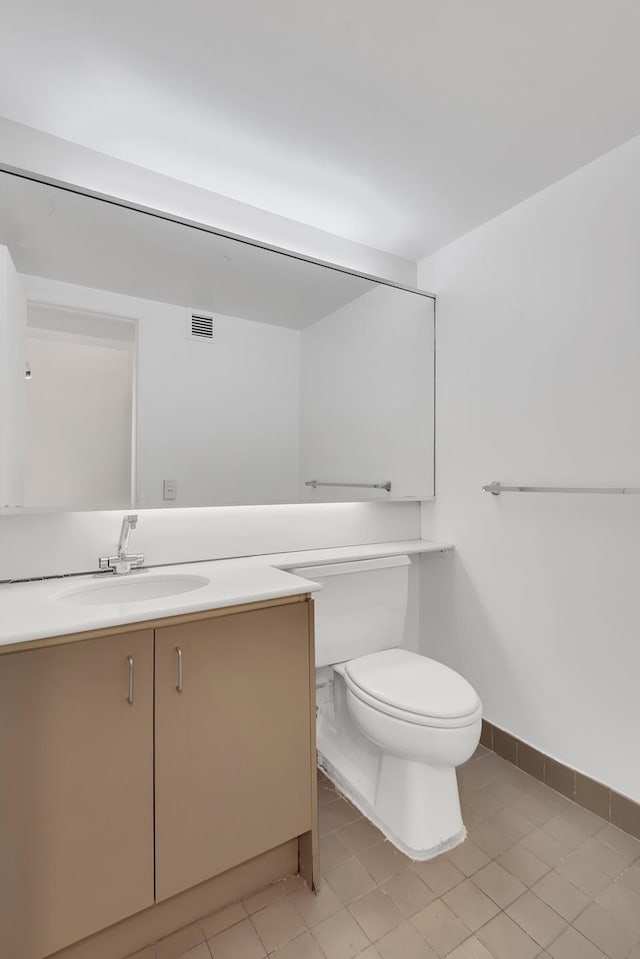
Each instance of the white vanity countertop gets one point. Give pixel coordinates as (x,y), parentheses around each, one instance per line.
(41,609)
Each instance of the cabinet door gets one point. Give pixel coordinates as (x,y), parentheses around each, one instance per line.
(76,791)
(233,763)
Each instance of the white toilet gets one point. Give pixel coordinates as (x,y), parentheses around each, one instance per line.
(392,725)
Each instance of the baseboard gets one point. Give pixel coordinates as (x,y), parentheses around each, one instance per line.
(588,793)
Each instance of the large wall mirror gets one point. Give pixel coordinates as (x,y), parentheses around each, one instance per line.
(148,362)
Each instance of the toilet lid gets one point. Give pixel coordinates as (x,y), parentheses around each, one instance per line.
(413,683)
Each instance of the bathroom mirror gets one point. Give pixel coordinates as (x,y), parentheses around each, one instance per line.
(148,362)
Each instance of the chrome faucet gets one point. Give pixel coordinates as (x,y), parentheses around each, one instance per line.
(123,562)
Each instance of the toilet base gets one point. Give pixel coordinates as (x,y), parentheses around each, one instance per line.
(435,846)
(414,805)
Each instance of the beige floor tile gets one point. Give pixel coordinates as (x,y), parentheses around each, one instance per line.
(603,857)
(498,884)
(173,946)
(566,830)
(217,921)
(326,794)
(335,815)
(490,839)
(325,785)
(545,847)
(523,864)
(340,936)
(370,953)
(471,949)
(350,880)
(512,823)
(332,851)
(359,835)
(404,942)
(468,858)
(470,904)
(326,797)
(620,841)
(238,942)
(570,944)
(558,893)
(583,875)
(614,938)
(383,861)
(540,806)
(264,897)
(506,940)
(470,817)
(198,952)
(314,907)
(536,918)
(302,947)
(481,752)
(440,874)
(408,892)
(277,924)
(630,879)
(584,818)
(148,953)
(440,927)
(476,775)
(621,904)
(324,782)
(486,801)
(376,914)
(293,884)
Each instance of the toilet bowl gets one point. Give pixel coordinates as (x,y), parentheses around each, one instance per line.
(425,720)
(392,725)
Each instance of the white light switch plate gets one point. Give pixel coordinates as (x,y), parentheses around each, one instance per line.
(169,489)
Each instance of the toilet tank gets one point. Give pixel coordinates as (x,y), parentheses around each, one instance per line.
(361,608)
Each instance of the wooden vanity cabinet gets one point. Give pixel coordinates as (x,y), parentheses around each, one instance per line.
(147,763)
(76,790)
(232,741)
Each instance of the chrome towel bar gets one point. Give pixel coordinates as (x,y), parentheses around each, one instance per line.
(386,486)
(496,488)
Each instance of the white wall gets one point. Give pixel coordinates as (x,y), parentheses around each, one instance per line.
(367,394)
(222,419)
(13,323)
(78,427)
(43,154)
(539,383)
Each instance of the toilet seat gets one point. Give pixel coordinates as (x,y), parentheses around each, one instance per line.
(413,688)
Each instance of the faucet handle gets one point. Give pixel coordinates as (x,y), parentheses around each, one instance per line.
(119,564)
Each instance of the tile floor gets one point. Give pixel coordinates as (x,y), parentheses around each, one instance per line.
(537,877)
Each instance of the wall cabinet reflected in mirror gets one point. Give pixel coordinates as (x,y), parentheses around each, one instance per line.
(146,362)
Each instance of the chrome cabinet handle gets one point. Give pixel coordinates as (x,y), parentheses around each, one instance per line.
(179,683)
(130,693)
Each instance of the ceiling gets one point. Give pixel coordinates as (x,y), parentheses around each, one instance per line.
(399,125)
(65,236)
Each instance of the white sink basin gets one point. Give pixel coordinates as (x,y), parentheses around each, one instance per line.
(139,588)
